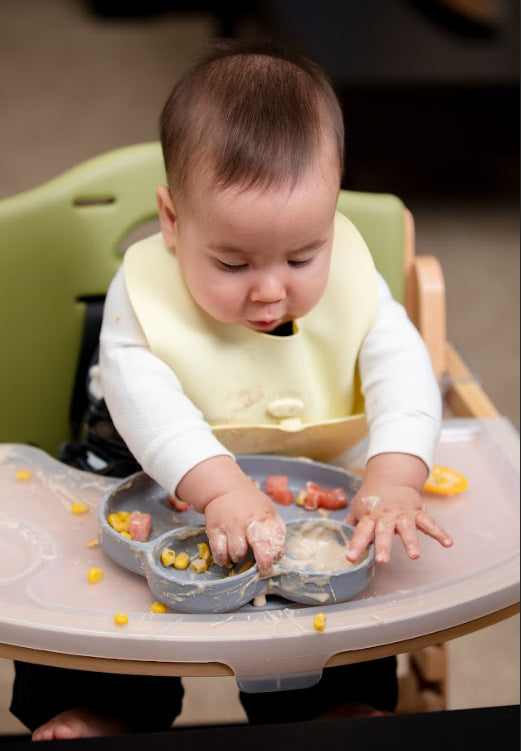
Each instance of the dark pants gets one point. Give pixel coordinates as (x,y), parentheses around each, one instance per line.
(151,704)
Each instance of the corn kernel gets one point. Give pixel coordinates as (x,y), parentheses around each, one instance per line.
(93,543)
(125,534)
(181,561)
(301,497)
(112,519)
(199,565)
(120,619)
(203,550)
(319,622)
(23,475)
(158,607)
(117,523)
(95,575)
(167,557)
(78,507)
(245,566)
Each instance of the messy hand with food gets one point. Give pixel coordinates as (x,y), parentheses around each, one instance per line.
(389,502)
(237,513)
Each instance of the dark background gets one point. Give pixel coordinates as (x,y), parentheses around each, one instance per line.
(430,93)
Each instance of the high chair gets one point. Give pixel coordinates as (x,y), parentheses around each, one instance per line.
(60,245)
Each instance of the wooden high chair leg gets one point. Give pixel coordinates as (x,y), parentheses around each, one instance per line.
(423,686)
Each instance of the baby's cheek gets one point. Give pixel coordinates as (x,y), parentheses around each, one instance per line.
(223,307)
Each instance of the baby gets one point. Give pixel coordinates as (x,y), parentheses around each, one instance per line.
(255,290)
(257,304)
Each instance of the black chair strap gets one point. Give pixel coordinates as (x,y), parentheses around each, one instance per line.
(88,350)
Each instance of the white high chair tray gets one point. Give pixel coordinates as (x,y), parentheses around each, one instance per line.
(47,604)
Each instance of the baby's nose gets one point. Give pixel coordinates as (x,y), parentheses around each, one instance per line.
(268,288)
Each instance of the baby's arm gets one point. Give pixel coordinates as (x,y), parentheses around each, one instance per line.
(403,410)
(175,446)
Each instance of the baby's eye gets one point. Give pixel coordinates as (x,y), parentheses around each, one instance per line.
(233,267)
(296,264)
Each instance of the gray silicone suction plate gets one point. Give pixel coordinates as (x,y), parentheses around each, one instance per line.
(222,589)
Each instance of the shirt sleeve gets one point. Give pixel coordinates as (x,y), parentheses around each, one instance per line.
(402,398)
(163,429)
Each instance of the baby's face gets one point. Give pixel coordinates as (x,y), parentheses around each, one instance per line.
(257,258)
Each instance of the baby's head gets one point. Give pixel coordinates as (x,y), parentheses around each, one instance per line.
(253,143)
(249,116)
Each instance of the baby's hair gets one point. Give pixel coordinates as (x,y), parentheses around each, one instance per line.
(249,116)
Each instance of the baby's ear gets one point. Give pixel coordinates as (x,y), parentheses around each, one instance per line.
(167,216)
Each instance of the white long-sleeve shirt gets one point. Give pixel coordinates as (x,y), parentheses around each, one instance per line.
(168,435)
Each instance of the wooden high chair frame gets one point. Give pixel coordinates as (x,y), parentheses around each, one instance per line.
(423,685)
(101,201)
(426,307)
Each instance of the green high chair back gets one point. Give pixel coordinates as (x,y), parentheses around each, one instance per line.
(61,244)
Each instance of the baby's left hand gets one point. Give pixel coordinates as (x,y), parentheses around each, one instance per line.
(382,508)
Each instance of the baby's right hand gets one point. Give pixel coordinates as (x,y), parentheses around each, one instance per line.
(245,516)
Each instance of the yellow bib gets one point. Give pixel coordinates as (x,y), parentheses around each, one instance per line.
(296,395)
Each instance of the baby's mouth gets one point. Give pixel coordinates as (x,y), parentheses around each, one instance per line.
(267,324)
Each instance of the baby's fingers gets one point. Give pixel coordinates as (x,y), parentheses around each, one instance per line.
(237,546)
(264,556)
(219,546)
(267,540)
(407,531)
(383,539)
(428,526)
(362,537)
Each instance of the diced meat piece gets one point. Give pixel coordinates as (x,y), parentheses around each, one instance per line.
(314,496)
(273,483)
(334,499)
(283,497)
(320,497)
(140,526)
(276,487)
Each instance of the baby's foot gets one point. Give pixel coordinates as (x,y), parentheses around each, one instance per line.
(79,722)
